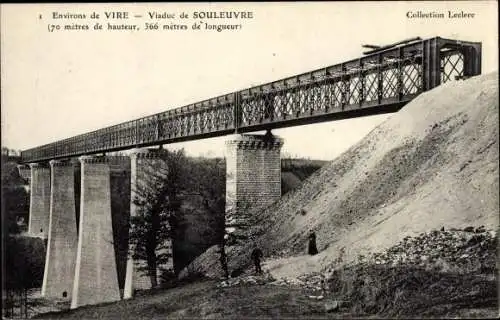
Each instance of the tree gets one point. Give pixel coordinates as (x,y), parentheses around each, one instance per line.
(165,192)
(15,198)
(158,200)
(207,179)
(22,257)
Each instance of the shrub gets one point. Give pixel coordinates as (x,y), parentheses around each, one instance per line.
(24,262)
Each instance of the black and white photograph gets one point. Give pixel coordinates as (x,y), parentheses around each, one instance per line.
(250,160)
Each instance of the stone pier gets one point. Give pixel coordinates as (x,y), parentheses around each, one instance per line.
(253,175)
(120,212)
(24,172)
(147,168)
(62,235)
(96,279)
(39,200)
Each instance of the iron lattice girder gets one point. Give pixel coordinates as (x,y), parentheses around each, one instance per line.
(380,82)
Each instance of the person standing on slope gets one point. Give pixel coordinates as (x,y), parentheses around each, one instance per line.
(312,249)
(256,256)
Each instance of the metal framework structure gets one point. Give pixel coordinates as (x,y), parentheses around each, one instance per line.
(376,83)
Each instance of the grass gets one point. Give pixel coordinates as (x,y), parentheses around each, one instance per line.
(205,300)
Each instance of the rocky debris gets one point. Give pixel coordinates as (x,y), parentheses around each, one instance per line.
(420,261)
(430,274)
(333,305)
(469,249)
(312,284)
(313,281)
(288,282)
(247,280)
(410,290)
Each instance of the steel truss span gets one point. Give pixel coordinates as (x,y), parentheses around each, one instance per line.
(379,82)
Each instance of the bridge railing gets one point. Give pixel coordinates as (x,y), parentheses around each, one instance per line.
(388,78)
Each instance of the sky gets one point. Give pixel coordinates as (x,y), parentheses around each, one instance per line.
(62,83)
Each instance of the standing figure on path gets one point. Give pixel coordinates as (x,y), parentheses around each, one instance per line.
(312,250)
(256,256)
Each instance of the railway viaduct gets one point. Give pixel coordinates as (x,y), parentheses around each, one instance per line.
(71,203)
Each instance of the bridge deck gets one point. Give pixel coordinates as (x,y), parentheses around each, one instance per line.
(376,83)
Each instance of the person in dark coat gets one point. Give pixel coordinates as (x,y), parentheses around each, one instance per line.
(312,250)
(256,256)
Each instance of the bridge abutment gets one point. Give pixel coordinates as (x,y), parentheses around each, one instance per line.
(148,170)
(253,177)
(96,278)
(62,233)
(39,200)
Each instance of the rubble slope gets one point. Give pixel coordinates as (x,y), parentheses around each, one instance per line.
(432,164)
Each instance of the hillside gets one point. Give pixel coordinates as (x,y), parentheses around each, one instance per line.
(406,223)
(433,164)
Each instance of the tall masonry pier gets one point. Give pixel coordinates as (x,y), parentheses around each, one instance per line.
(96,277)
(62,235)
(253,176)
(39,200)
